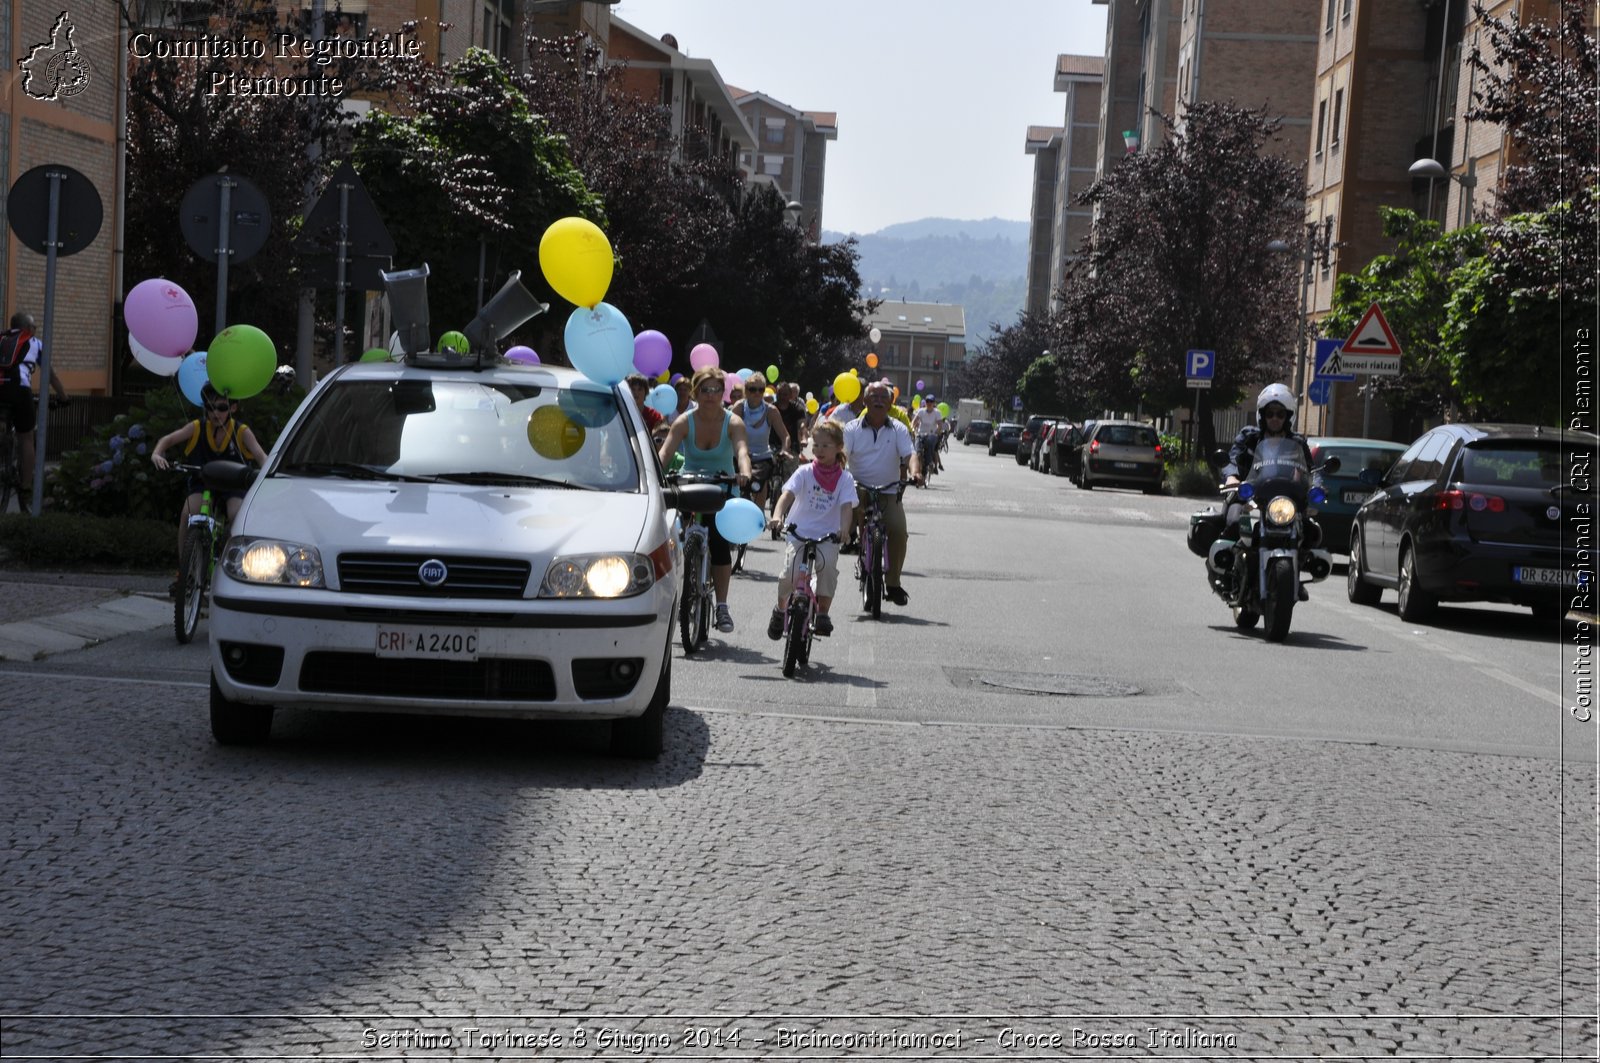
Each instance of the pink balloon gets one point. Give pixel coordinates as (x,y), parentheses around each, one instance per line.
(161,316)
(704,356)
(522,355)
(652,353)
(731,386)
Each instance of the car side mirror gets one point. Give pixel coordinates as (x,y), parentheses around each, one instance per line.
(223,475)
(694,498)
(1332,463)
(1220,457)
(1370,477)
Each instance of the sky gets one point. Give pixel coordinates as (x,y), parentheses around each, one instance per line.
(934,97)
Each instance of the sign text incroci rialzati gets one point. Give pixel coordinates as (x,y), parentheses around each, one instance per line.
(281,48)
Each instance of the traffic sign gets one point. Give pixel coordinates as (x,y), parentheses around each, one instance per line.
(1367,364)
(248,224)
(1372,335)
(1326,349)
(1200,365)
(1319,390)
(78,211)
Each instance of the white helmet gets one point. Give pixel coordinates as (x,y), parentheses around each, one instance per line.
(1279,394)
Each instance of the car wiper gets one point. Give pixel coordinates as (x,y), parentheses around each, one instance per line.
(513,479)
(349,470)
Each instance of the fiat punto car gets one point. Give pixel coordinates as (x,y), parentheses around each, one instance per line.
(487,541)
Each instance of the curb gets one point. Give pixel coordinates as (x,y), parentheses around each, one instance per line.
(33,640)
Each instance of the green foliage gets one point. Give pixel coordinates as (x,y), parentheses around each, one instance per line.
(110,474)
(60,539)
(1194,480)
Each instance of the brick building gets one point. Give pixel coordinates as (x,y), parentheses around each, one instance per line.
(1066,159)
(793,152)
(919,341)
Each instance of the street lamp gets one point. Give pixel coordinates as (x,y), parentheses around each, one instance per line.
(1431,170)
(1319,245)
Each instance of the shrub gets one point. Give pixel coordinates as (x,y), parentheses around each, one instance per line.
(57,539)
(1196,479)
(110,473)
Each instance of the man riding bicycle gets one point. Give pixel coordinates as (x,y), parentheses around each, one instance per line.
(928,425)
(880,452)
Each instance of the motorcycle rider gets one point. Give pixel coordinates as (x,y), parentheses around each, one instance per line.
(1274,419)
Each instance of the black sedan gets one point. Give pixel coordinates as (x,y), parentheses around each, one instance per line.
(1004,440)
(1477,512)
(978,432)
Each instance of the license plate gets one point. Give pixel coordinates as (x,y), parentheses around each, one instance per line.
(1356,497)
(1124,465)
(435,644)
(1546,577)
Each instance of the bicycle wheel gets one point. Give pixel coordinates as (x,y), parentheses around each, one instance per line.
(875,571)
(794,639)
(192,571)
(690,615)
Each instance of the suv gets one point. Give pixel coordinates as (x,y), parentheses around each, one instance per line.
(1125,453)
(454,535)
(978,432)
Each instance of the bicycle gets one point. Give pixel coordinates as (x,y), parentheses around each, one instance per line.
(928,449)
(699,593)
(10,465)
(801,608)
(872,564)
(197,560)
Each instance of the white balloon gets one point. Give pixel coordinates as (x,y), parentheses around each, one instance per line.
(159,364)
(875,335)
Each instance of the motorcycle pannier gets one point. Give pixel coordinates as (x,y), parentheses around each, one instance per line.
(1205,529)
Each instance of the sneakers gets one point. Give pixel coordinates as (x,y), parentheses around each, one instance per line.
(851,547)
(724,618)
(897,595)
(822,625)
(775,625)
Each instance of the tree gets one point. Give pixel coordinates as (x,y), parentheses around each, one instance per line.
(471,168)
(995,373)
(1178,259)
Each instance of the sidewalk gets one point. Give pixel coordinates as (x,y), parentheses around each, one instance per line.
(52,612)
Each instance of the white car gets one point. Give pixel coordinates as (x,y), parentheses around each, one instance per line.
(454,540)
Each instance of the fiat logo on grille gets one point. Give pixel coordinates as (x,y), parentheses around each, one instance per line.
(432,573)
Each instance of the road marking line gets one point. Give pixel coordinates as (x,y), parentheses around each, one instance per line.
(863,657)
(1539,692)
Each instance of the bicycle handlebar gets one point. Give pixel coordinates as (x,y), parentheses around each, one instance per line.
(793,529)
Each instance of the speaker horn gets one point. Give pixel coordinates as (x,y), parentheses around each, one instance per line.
(408,307)
(511,308)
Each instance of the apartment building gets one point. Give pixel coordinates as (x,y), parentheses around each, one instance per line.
(1066,160)
(792,154)
(705,114)
(924,342)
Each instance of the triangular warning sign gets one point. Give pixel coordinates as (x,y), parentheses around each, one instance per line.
(1372,335)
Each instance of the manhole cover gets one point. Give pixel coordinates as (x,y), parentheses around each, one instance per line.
(1045,683)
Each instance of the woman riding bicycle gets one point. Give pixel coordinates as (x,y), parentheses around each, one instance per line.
(760,421)
(821,497)
(214,435)
(713,441)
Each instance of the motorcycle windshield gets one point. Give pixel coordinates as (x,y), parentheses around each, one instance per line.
(1280,468)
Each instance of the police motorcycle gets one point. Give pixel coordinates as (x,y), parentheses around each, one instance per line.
(1278,550)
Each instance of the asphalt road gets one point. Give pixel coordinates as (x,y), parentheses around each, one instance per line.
(1054,805)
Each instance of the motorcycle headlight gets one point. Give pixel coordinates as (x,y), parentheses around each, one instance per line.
(1280,510)
(273,561)
(598,576)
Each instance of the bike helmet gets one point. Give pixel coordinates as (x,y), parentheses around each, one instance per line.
(1275,393)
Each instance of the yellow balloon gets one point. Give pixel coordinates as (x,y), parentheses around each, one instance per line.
(577,261)
(664,377)
(846,387)
(811,406)
(553,434)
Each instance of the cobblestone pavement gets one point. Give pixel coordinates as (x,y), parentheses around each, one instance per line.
(379,888)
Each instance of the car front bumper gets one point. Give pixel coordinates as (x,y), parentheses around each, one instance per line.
(531,659)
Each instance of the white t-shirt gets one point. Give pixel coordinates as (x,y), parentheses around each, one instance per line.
(815,513)
(30,361)
(875,454)
(926,421)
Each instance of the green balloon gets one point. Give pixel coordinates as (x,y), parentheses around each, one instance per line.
(376,354)
(944,409)
(241,361)
(455,341)
(772,373)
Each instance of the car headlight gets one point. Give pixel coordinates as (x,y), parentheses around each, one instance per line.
(598,576)
(273,561)
(1280,510)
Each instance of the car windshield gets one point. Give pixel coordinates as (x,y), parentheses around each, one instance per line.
(1512,465)
(465,430)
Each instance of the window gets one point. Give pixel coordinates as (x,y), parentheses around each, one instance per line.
(1430,463)
(498,18)
(1322,125)
(1401,471)
(1347,6)
(774,130)
(1331,5)
(1338,116)
(772,165)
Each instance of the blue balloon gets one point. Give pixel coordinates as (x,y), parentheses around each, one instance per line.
(600,343)
(592,409)
(192,376)
(740,520)
(663,399)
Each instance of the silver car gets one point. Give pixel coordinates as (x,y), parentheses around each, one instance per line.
(1124,453)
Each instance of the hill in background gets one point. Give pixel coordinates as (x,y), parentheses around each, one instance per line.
(982,265)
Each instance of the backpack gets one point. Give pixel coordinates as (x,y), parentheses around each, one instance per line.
(14,346)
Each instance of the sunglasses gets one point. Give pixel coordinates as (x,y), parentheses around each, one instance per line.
(755,389)
(710,389)
(221,407)
(1277,413)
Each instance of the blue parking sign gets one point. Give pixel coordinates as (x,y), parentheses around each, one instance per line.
(1200,365)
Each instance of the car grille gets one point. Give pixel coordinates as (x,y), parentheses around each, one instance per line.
(489,679)
(470,577)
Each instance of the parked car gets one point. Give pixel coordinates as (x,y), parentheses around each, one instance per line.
(1040,441)
(1005,438)
(1030,432)
(979,432)
(1070,454)
(1124,453)
(1474,512)
(1056,449)
(1345,490)
(432,538)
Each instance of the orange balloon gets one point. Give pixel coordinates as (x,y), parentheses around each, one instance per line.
(897,394)
(872,361)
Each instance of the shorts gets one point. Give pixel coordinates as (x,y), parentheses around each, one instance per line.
(23,406)
(825,580)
